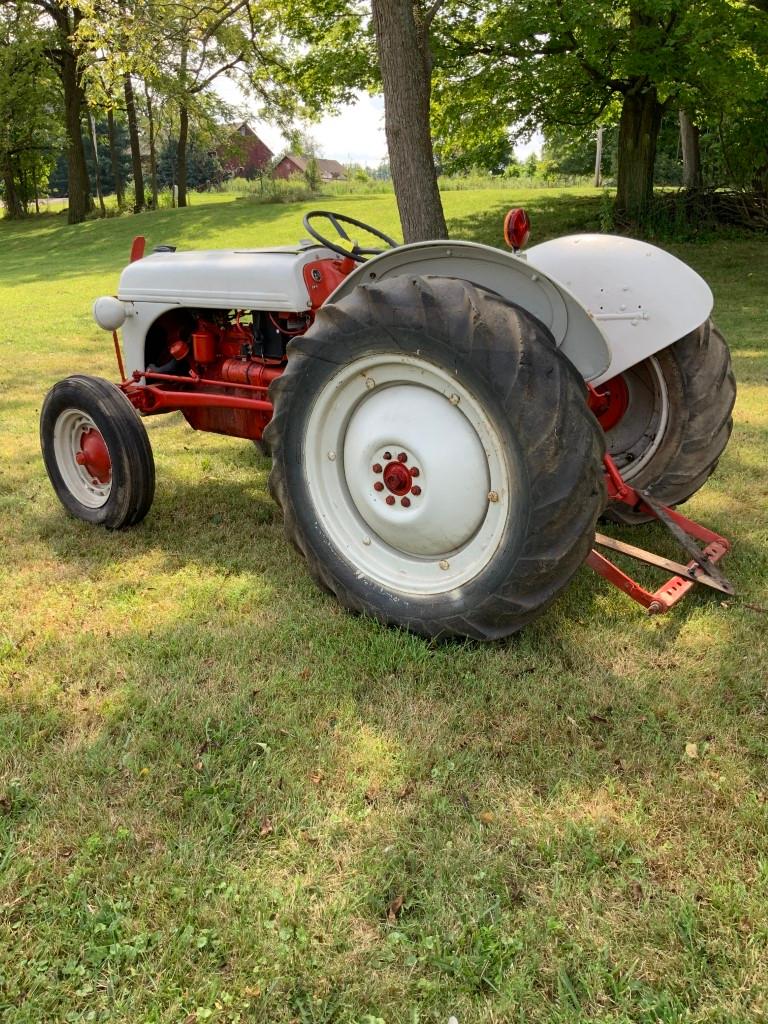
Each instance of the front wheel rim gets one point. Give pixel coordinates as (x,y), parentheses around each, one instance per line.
(409,478)
(82,458)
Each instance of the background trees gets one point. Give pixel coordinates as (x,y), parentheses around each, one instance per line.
(30,133)
(571,66)
(680,87)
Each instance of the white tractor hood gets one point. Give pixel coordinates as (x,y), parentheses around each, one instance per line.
(223,278)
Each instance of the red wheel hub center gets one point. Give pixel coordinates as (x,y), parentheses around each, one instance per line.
(94,456)
(397,478)
(611,403)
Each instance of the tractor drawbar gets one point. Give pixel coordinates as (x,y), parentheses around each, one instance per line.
(702,567)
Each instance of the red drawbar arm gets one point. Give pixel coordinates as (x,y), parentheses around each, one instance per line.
(677,586)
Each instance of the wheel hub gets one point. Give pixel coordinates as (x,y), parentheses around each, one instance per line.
(94,456)
(396,477)
(408,433)
(82,458)
(613,402)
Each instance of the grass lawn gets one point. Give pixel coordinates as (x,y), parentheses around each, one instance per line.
(223,799)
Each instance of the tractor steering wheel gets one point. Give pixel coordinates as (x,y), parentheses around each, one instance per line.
(353,251)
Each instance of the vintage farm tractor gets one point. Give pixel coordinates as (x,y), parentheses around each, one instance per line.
(447,422)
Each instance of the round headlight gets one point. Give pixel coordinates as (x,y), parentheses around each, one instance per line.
(109,312)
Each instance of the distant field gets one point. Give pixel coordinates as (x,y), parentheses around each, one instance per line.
(223,799)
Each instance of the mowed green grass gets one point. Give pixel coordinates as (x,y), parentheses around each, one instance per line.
(224,799)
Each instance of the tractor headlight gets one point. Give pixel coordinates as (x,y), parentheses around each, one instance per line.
(109,312)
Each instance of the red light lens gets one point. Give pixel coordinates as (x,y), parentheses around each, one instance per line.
(517,228)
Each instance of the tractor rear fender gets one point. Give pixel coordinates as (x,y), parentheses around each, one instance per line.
(609,301)
(511,277)
(642,298)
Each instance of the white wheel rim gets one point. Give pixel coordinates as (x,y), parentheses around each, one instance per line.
(456,506)
(643,427)
(71,427)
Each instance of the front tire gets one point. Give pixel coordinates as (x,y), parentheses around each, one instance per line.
(677,419)
(97,453)
(430,446)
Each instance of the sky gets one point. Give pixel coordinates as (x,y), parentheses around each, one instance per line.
(354,136)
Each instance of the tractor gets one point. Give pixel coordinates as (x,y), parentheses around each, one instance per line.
(448,422)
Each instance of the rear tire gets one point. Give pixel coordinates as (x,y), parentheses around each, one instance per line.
(682,429)
(435,459)
(96,452)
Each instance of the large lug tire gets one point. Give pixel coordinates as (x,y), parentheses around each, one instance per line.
(677,421)
(435,459)
(97,452)
(263,448)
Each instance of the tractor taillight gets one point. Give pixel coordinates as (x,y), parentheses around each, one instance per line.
(517,228)
(137,248)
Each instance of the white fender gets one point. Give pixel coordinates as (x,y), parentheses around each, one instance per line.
(642,298)
(574,331)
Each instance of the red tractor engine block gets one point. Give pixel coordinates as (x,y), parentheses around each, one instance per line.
(218,376)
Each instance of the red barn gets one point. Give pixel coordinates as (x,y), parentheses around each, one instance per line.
(244,155)
(292,163)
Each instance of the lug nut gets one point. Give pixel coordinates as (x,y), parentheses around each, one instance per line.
(402,457)
(405,502)
(80,458)
(416,490)
(387,456)
(415,470)
(377,467)
(390,499)
(378,486)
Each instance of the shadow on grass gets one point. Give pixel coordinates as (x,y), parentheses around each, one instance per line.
(252,737)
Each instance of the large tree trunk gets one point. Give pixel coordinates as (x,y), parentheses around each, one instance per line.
(152,150)
(638,134)
(133,134)
(406,74)
(181,155)
(115,161)
(78,183)
(689,143)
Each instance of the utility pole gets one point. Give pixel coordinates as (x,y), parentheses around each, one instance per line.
(599,159)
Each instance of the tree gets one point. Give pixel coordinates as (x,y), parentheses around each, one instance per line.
(392,51)
(689,142)
(67,58)
(139,198)
(208,41)
(118,177)
(572,151)
(203,166)
(537,63)
(405,61)
(29,131)
(460,151)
